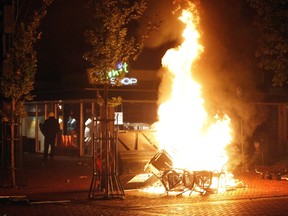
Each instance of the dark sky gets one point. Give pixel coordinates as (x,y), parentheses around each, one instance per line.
(226,29)
(62,45)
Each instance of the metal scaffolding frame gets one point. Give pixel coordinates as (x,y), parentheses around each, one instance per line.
(105,181)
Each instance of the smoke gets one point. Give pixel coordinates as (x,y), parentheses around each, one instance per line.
(227,68)
(170,28)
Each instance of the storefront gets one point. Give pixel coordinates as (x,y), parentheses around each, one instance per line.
(76,120)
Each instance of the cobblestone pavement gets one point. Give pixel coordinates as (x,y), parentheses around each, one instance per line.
(61,187)
(156,206)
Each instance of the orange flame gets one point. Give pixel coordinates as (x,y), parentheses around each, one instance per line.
(184,129)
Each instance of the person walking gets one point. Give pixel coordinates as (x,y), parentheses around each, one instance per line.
(50,129)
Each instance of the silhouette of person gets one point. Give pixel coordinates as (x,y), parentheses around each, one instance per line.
(50,129)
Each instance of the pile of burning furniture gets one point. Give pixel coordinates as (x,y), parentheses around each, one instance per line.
(182,180)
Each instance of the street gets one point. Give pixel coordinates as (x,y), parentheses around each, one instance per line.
(161,205)
(61,187)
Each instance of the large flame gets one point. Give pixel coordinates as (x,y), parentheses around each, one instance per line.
(185,131)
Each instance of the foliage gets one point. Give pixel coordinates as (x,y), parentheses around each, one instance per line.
(21,60)
(272,22)
(113,102)
(109,39)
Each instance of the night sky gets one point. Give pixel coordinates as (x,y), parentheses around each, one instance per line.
(226,33)
(62,45)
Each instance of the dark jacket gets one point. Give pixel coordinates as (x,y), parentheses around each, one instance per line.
(50,127)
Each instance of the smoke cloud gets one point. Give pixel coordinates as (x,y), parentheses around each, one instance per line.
(170,29)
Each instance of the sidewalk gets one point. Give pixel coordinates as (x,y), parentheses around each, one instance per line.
(63,177)
(69,178)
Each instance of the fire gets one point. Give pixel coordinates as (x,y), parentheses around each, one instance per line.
(184,129)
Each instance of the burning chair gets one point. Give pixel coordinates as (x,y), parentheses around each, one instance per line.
(179,180)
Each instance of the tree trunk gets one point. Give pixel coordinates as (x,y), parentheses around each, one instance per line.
(12,147)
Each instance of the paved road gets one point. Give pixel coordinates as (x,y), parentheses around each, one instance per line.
(65,182)
(151,206)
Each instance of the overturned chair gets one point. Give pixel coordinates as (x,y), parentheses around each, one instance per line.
(180,180)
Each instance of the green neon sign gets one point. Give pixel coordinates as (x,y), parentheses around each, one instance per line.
(120,68)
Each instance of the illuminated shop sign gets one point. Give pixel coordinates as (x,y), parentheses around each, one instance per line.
(120,68)
(124,81)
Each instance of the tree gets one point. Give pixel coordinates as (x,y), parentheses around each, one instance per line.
(111,43)
(20,62)
(110,40)
(272,22)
